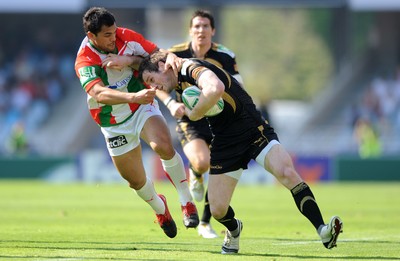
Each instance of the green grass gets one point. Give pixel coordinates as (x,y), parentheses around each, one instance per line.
(42,221)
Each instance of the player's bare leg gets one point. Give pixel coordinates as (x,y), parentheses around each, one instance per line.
(278,161)
(156,133)
(130,167)
(220,191)
(198,154)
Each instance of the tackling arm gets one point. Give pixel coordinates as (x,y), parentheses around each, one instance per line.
(105,95)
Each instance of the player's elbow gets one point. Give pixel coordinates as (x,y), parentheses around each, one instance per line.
(218,90)
(95,93)
(101,98)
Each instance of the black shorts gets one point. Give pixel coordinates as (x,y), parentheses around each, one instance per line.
(235,152)
(189,130)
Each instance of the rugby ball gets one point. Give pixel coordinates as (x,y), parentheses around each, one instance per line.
(190,97)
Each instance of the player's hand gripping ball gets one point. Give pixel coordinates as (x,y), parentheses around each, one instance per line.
(190,97)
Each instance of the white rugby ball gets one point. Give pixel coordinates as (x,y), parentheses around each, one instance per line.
(190,97)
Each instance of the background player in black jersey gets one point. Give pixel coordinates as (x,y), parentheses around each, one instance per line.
(240,134)
(195,136)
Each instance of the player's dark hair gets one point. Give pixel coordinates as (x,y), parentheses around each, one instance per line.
(205,14)
(150,63)
(95,18)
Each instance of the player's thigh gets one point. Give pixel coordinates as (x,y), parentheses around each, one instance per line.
(220,191)
(130,166)
(198,153)
(156,134)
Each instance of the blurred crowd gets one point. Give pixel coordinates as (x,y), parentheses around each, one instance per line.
(31,85)
(34,81)
(376,116)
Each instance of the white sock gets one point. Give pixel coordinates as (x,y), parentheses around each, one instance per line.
(175,172)
(148,194)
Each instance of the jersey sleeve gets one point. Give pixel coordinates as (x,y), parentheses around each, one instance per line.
(88,69)
(89,76)
(192,71)
(136,42)
(232,68)
(229,59)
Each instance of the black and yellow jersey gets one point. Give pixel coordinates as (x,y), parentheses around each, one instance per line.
(218,55)
(239,131)
(239,113)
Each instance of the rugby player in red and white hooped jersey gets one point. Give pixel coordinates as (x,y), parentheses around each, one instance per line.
(126,111)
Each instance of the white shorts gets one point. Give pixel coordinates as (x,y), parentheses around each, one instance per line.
(124,137)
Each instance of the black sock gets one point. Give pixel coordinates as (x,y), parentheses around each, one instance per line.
(229,220)
(206,212)
(307,205)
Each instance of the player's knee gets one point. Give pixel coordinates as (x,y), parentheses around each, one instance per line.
(288,176)
(199,161)
(164,149)
(200,166)
(136,184)
(218,211)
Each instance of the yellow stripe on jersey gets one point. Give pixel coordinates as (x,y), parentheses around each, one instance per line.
(213,61)
(179,47)
(228,78)
(196,72)
(227,98)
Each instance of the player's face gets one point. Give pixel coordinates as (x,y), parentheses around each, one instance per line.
(105,39)
(201,31)
(165,81)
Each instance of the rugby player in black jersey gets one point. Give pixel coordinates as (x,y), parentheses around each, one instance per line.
(195,136)
(240,134)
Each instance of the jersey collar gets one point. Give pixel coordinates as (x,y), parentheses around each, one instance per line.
(101,51)
(205,55)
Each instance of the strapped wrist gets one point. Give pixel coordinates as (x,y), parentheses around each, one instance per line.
(168,101)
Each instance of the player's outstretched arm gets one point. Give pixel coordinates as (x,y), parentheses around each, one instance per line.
(105,95)
(118,62)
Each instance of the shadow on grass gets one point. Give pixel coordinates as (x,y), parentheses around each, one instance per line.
(123,246)
(344,257)
(71,258)
(175,247)
(320,257)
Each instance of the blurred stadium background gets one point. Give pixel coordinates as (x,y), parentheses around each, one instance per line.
(326,73)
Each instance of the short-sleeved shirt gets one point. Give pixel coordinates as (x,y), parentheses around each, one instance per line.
(240,133)
(218,55)
(89,69)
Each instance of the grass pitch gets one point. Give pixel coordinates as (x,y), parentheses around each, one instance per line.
(42,221)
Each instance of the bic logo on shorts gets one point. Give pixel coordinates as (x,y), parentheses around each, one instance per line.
(116,142)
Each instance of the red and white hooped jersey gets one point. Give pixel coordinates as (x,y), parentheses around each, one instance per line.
(88,67)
